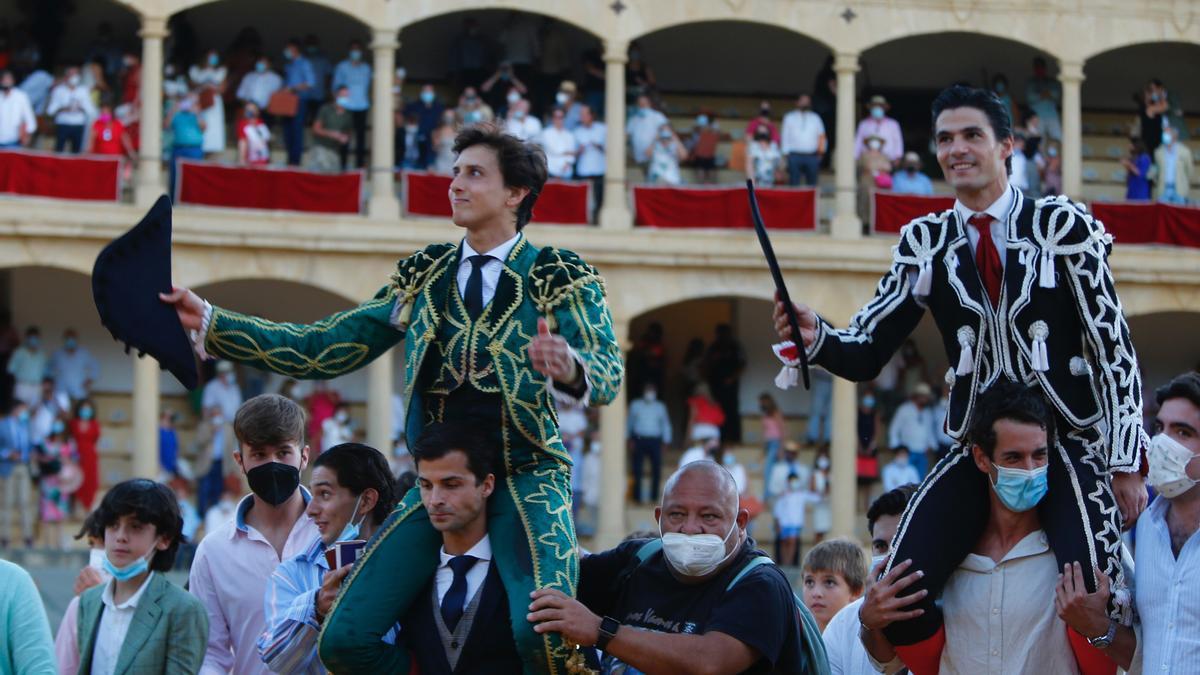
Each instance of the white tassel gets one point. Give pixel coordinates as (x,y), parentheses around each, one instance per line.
(1046,275)
(1039,358)
(924,285)
(787,378)
(966,358)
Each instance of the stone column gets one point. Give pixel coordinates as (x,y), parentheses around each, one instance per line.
(379,403)
(846,224)
(614,212)
(843,487)
(145,418)
(611,527)
(1070,74)
(149,182)
(383,203)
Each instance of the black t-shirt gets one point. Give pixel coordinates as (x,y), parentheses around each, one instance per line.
(759,611)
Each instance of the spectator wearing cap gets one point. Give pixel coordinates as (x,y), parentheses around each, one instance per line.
(803,142)
(909,180)
(17,122)
(355,74)
(911,426)
(878,124)
(763,119)
(565,99)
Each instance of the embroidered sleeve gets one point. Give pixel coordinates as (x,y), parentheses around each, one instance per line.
(571,294)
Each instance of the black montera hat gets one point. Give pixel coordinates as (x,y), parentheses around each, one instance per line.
(128,276)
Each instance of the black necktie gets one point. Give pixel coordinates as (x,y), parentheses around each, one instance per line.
(455,599)
(474,297)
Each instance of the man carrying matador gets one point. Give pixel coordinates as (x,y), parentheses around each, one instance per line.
(495,330)
(1020,290)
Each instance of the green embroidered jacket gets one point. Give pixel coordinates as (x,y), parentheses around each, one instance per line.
(552,283)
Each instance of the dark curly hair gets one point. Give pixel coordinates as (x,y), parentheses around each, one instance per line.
(891,503)
(359,467)
(1185,386)
(150,503)
(1007,400)
(522,165)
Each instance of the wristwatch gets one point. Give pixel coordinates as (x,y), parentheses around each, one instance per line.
(1105,640)
(608,630)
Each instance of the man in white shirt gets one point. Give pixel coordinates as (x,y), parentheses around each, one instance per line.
(642,128)
(803,142)
(911,426)
(899,471)
(846,653)
(223,393)
(73,367)
(71,107)
(591,136)
(17,123)
(649,432)
(260,84)
(560,146)
(989,628)
(521,124)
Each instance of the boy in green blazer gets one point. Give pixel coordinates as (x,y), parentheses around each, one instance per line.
(139,622)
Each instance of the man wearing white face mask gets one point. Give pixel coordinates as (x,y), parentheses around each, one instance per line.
(1167,557)
(694,601)
(353,491)
(649,433)
(71,107)
(988,627)
(336,429)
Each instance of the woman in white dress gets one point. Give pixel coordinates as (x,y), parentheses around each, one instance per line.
(208,78)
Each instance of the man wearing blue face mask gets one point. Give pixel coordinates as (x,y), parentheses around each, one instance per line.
(696,600)
(877,123)
(988,627)
(355,74)
(353,491)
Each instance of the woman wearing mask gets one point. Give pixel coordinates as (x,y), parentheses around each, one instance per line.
(822,513)
(55,452)
(85,432)
(703,147)
(763,159)
(664,156)
(443,144)
(208,77)
(253,138)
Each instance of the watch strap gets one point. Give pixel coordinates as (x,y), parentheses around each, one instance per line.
(1105,640)
(608,630)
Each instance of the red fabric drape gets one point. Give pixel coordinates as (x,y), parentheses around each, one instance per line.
(561,202)
(724,207)
(1150,223)
(40,174)
(890,211)
(261,188)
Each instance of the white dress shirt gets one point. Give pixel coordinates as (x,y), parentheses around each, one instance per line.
(642,129)
(999,213)
(802,132)
(258,87)
(114,625)
(491,268)
(846,654)
(70,106)
(911,428)
(475,576)
(561,147)
(227,397)
(1000,617)
(591,158)
(1168,595)
(16,113)
(526,128)
(649,419)
(895,475)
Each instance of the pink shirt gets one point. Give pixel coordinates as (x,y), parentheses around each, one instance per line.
(66,642)
(772,427)
(229,575)
(888,129)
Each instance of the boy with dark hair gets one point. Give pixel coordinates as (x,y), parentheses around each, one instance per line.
(353,491)
(495,332)
(835,574)
(139,621)
(233,562)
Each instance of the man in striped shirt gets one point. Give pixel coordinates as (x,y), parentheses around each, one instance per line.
(353,491)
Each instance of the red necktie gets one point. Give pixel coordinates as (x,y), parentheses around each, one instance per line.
(987,258)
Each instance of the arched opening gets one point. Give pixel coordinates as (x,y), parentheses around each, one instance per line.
(687,77)
(909,72)
(66,32)
(1116,97)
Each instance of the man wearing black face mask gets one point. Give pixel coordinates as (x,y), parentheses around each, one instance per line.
(234,562)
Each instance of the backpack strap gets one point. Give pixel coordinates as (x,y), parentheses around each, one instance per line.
(648,549)
(816,659)
(754,562)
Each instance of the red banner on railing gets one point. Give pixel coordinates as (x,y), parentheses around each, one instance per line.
(723,207)
(561,202)
(1150,223)
(240,187)
(44,174)
(891,211)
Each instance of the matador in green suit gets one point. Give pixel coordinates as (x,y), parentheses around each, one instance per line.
(497,364)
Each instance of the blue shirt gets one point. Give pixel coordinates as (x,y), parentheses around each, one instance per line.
(168,450)
(15,444)
(917,184)
(186,129)
(1138,186)
(299,72)
(1167,595)
(356,76)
